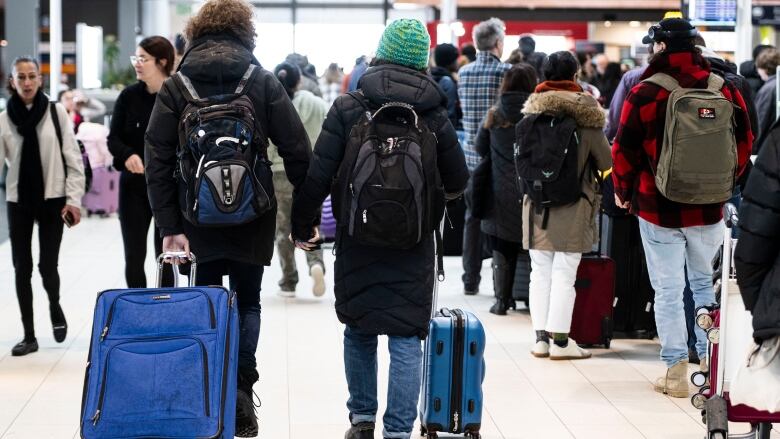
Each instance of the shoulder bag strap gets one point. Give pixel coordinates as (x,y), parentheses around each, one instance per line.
(665,81)
(245,80)
(715,83)
(55,119)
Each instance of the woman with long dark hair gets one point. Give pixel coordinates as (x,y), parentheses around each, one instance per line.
(153,63)
(496,140)
(44,185)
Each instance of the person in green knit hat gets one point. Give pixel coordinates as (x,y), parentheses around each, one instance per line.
(381,290)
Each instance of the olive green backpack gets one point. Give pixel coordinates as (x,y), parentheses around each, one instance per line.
(698,160)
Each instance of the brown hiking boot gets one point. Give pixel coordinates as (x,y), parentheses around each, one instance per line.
(675,383)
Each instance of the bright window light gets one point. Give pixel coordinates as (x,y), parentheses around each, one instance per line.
(333,42)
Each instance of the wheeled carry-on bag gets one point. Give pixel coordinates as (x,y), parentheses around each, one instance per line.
(592,318)
(729,331)
(103,196)
(522,283)
(453,371)
(162,363)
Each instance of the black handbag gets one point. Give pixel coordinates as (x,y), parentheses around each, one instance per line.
(480,189)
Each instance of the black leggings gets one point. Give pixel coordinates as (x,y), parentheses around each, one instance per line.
(135,214)
(21,218)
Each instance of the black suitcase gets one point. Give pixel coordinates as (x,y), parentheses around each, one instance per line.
(522,278)
(634,315)
(453,227)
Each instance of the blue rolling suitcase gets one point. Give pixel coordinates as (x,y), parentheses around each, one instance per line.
(453,371)
(162,363)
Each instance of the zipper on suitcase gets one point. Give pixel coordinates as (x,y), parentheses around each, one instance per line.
(204,355)
(110,317)
(456,401)
(225,365)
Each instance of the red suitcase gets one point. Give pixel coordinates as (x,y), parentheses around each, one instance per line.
(592,318)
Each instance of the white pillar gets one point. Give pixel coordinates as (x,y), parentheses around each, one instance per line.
(156,18)
(449,14)
(744,32)
(55,47)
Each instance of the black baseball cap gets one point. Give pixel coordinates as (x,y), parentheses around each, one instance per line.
(670,29)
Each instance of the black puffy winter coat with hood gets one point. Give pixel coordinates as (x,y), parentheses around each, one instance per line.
(505,219)
(381,290)
(215,65)
(757,257)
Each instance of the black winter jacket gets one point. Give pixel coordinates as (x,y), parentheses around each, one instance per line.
(505,218)
(757,257)
(215,64)
(766,105)
(380,290)
(749,71)
(728,71)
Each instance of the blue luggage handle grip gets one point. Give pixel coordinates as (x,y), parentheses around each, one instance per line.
(165,257)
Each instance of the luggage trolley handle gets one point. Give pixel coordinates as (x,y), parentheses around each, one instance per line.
(165,257)
(731,220)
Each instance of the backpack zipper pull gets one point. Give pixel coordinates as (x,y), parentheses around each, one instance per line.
(365,216)
(104,333)
(95,418)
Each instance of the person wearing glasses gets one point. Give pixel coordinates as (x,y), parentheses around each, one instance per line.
(153,63)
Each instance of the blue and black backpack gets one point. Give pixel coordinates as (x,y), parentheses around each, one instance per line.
(223,170)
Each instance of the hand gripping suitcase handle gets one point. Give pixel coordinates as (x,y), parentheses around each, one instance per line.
(166,257)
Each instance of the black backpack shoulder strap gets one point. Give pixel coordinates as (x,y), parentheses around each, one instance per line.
(55,119)
(185,86)
(246,80)
(360,98)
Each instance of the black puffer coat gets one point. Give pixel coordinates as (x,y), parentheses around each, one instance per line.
(380,290)
(215,65)
(757,257)
(728,71)
(505,219)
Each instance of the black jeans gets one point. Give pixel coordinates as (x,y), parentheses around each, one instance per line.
(21,218)
(245,280)
(135,214)
(473,250)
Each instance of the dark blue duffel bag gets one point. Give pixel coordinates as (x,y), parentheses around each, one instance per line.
(162,363)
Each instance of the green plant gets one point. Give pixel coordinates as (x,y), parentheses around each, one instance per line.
(114,75)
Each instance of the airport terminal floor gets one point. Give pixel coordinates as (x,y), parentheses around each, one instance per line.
(302,384)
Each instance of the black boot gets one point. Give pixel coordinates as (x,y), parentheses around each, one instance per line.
(362,430)
(246,410)
(503,280)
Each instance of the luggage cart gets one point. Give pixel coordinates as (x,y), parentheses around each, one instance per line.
(728,331)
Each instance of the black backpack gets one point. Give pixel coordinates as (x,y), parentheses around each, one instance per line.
(546,161)
(388,190)
(223,170)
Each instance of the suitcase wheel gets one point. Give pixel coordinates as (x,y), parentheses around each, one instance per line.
(607,342)
(473,435)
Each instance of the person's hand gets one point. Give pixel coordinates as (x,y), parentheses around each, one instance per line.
(623,205)
(134,164)
(309,245)
(176,243)
(74,212)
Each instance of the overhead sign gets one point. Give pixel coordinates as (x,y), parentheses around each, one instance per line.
(766,15)
(713,12)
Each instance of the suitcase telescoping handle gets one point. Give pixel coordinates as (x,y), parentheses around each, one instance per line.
(166,258)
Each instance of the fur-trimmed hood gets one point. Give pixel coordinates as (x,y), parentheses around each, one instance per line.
(581,106)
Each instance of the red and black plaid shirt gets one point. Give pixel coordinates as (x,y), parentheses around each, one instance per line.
(640,136)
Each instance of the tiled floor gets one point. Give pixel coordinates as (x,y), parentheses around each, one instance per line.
(302,382)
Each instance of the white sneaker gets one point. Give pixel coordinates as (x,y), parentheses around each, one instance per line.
(570,352)
(285,293)
(317,273)
(541,349)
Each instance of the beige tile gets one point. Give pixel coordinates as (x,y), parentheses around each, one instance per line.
(302,385)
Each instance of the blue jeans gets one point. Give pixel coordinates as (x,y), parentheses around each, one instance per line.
(669,252)
(403,390)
